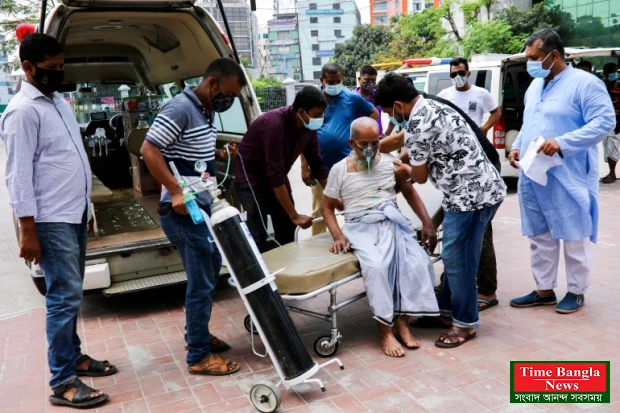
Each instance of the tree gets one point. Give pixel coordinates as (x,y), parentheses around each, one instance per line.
(366,44)
(471,11)
(539,17)
(15,12)
(494,36)
(487,5)
(446,12)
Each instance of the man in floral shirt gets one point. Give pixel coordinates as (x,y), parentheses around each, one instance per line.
(445,149)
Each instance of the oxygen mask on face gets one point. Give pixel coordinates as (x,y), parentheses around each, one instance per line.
(369,154)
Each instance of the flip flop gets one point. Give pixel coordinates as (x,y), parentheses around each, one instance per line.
(487,303)
(454,335)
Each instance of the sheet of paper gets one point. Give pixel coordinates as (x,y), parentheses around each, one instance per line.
(535,165)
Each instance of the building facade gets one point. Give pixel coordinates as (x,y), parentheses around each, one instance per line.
(381,11)
(243,24)
(323,24)
(284,49)
(597,22)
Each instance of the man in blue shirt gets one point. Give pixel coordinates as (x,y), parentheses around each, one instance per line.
(572,111)
(184,133)
(342,108)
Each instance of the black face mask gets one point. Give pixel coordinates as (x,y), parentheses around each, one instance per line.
(48,81)
(221,102)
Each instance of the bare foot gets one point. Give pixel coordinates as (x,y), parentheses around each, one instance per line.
(68,395)
(390,346)
(402,333)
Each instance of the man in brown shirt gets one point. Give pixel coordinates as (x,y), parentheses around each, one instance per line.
(266,154)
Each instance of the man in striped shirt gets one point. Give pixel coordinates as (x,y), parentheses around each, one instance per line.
(184,133)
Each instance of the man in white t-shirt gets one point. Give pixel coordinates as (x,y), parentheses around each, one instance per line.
(473,100)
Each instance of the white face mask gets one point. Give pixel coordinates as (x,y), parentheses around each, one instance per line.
(459,81)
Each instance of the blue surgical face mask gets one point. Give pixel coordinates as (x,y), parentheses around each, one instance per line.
(612,77)
(313,123)
(400,124)
(333,90)
(536,70)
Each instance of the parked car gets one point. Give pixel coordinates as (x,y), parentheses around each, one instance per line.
(153,46)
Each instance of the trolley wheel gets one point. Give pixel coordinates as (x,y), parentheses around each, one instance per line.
(247,323)
(265,397)
(323,348)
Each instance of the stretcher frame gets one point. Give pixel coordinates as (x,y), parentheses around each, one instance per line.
(327,345)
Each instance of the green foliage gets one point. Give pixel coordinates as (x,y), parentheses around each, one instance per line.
(494,36)
(270,93)
(13,13)
(471,11)
(367,43)
(539,17)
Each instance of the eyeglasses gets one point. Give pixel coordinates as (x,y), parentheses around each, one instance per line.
(458,73)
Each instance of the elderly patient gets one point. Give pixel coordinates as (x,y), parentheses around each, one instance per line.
(397,272)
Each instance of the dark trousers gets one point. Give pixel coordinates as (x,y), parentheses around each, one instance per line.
(268,204)
(487,270)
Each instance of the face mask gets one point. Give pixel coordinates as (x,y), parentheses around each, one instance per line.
(48,81)
(535,69)
(221,102)
(400,124)
(612,77)
(459,81)
(333,90)
(369,86)
(313,123)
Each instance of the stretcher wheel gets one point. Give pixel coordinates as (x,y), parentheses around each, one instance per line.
(247,323)
(323,348)
(265,397)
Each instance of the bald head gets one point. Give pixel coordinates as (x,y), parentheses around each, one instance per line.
(364,129)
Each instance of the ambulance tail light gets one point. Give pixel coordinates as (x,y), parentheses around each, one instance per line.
(499,134)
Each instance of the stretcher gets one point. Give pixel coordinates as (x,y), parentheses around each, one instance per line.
(299,277)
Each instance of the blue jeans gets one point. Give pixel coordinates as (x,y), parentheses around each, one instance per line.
(463,233)
(63,259)
(202,262)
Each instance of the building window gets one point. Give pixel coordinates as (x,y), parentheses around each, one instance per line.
(417,6)
(380,6)
(337,20)
(315,47)
(314,19)
(397,5)
(338,33)
(314,33)
(316,61)
(336,6)
(312,6)
(381,19)
(316,74)
(296,76)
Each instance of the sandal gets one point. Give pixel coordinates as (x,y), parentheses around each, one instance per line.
(453,336)
(217,345)
(608,180)
(81,399)
(486,303)
(214,365)
(95,368)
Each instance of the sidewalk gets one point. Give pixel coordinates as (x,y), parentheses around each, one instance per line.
(143,335)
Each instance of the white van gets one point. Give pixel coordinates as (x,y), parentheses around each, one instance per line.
(158,46)
(507,80)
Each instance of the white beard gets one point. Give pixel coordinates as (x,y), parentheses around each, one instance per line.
(361,164)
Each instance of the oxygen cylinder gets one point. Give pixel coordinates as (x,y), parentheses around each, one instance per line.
(245,261)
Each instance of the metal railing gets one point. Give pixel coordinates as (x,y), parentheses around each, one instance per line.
(271,98)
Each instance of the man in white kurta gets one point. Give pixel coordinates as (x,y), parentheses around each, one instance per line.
(397,272)
(572,111)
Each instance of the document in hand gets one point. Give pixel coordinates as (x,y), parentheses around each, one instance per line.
(535,165)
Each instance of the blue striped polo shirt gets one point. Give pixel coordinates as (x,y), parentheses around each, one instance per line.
(185,133)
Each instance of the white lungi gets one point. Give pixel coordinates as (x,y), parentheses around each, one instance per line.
(545,257)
